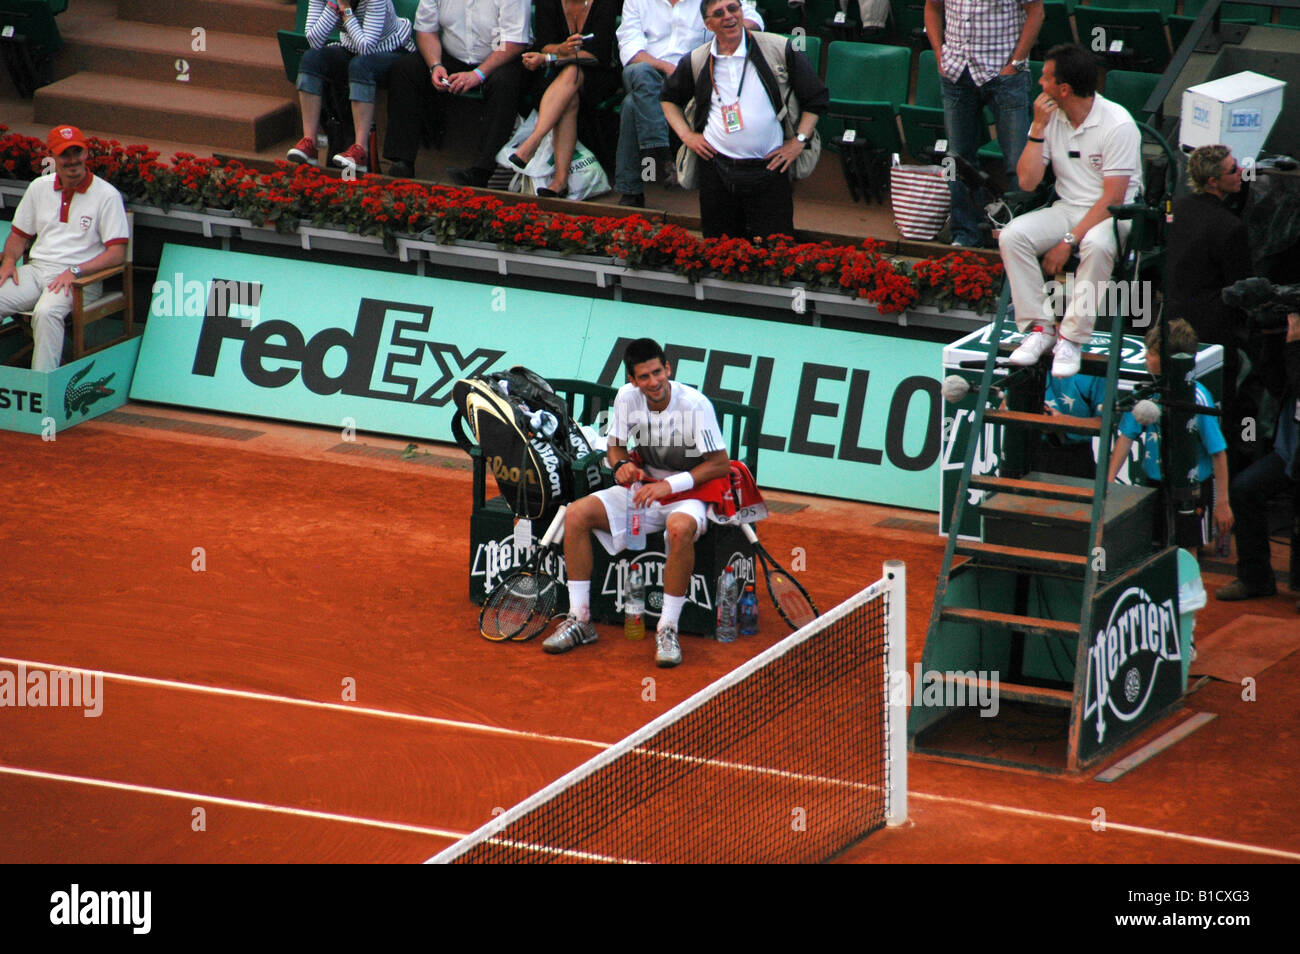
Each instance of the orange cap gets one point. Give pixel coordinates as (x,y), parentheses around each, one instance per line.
(65,137)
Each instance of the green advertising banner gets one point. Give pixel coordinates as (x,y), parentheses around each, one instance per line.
(847,415)
(46,402)
(844,414)
(345,347)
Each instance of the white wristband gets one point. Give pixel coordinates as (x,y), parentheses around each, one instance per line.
(680,482)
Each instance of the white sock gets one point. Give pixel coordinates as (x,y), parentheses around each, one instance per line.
(672,611)
(580,599)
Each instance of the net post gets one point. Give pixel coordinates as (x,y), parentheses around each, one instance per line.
(895,572)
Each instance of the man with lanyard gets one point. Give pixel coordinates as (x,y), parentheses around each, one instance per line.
(679,447)
(745,159)
(981,49)
(79,225)
(653,36)
(1094,147)
(461,46)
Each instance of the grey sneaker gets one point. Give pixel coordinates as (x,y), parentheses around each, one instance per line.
(570,634)
(667,652)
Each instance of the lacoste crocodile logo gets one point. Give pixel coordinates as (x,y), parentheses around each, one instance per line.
(79,397)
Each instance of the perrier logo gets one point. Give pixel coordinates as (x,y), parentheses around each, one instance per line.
(79,397)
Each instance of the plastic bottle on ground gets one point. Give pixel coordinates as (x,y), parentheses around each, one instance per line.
(749,612)
(728,605)
(634,605)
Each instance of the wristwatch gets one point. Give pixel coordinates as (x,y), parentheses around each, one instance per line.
(76,270)
(803,139)
(1069,239)
(1020,65)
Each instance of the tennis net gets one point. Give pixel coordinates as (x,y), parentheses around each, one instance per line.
(791,757)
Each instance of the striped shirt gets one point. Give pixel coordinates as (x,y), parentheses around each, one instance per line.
(375,27)
(980,35)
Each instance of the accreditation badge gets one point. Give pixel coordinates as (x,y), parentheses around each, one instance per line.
(731,117)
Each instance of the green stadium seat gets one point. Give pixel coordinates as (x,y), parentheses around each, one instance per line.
(909,23)
(1232,12)
(929,92)
(1145,48)
(1131,90)
(883,73)
(1056,26)
(1289,18)
(811,48)
(29,41)
(1166,7)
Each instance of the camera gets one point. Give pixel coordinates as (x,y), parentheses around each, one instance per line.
(1266,304)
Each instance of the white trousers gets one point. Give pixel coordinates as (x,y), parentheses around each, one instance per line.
(1028,238)
(49,309)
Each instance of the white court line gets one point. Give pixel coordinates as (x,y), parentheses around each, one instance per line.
(311,704)
(516,733)
(1117,826)
(231,802)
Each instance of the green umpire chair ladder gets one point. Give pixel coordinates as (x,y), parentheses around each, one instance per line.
(1059,561)
(492,523)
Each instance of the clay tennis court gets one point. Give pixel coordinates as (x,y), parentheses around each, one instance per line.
(287,644)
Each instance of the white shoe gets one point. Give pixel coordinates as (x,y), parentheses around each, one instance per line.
(1066,358)
(1037,343)
(668,652)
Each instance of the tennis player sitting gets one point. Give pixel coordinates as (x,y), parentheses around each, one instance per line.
(674,432)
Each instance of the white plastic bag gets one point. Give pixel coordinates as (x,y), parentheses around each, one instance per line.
(586,177)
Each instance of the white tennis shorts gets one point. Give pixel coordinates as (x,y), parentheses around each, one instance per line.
(656,518)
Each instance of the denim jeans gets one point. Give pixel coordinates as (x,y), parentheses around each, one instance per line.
(963,104)
(641,125)
(332,63)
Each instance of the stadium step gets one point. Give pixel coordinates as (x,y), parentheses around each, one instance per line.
(166,54)
(1043,422)
(174,111)
(992,554)
(1011,621)
(259,18)
(1031,488)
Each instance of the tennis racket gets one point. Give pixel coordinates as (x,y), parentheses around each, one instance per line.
(520,606)
(790,599)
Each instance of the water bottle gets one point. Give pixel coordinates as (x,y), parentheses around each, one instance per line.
(634,538)
(728,603)
(749,612)
(634,605)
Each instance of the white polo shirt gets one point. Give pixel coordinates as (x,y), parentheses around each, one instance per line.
(471,29)
(761,134)
(70,227)
(1106,143)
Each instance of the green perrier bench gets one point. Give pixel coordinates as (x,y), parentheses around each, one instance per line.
(494,552)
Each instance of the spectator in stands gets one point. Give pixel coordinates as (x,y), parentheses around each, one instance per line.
(371,39)
(1095,150)
(981,48)
(79,226)
(1211,451)
(577,77)
(745,160)
(1269,476)
(652,38)
(1209,250)
(462,46)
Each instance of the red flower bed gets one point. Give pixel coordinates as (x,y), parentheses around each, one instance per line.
(372,205)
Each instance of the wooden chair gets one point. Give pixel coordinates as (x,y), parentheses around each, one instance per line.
(84,314)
